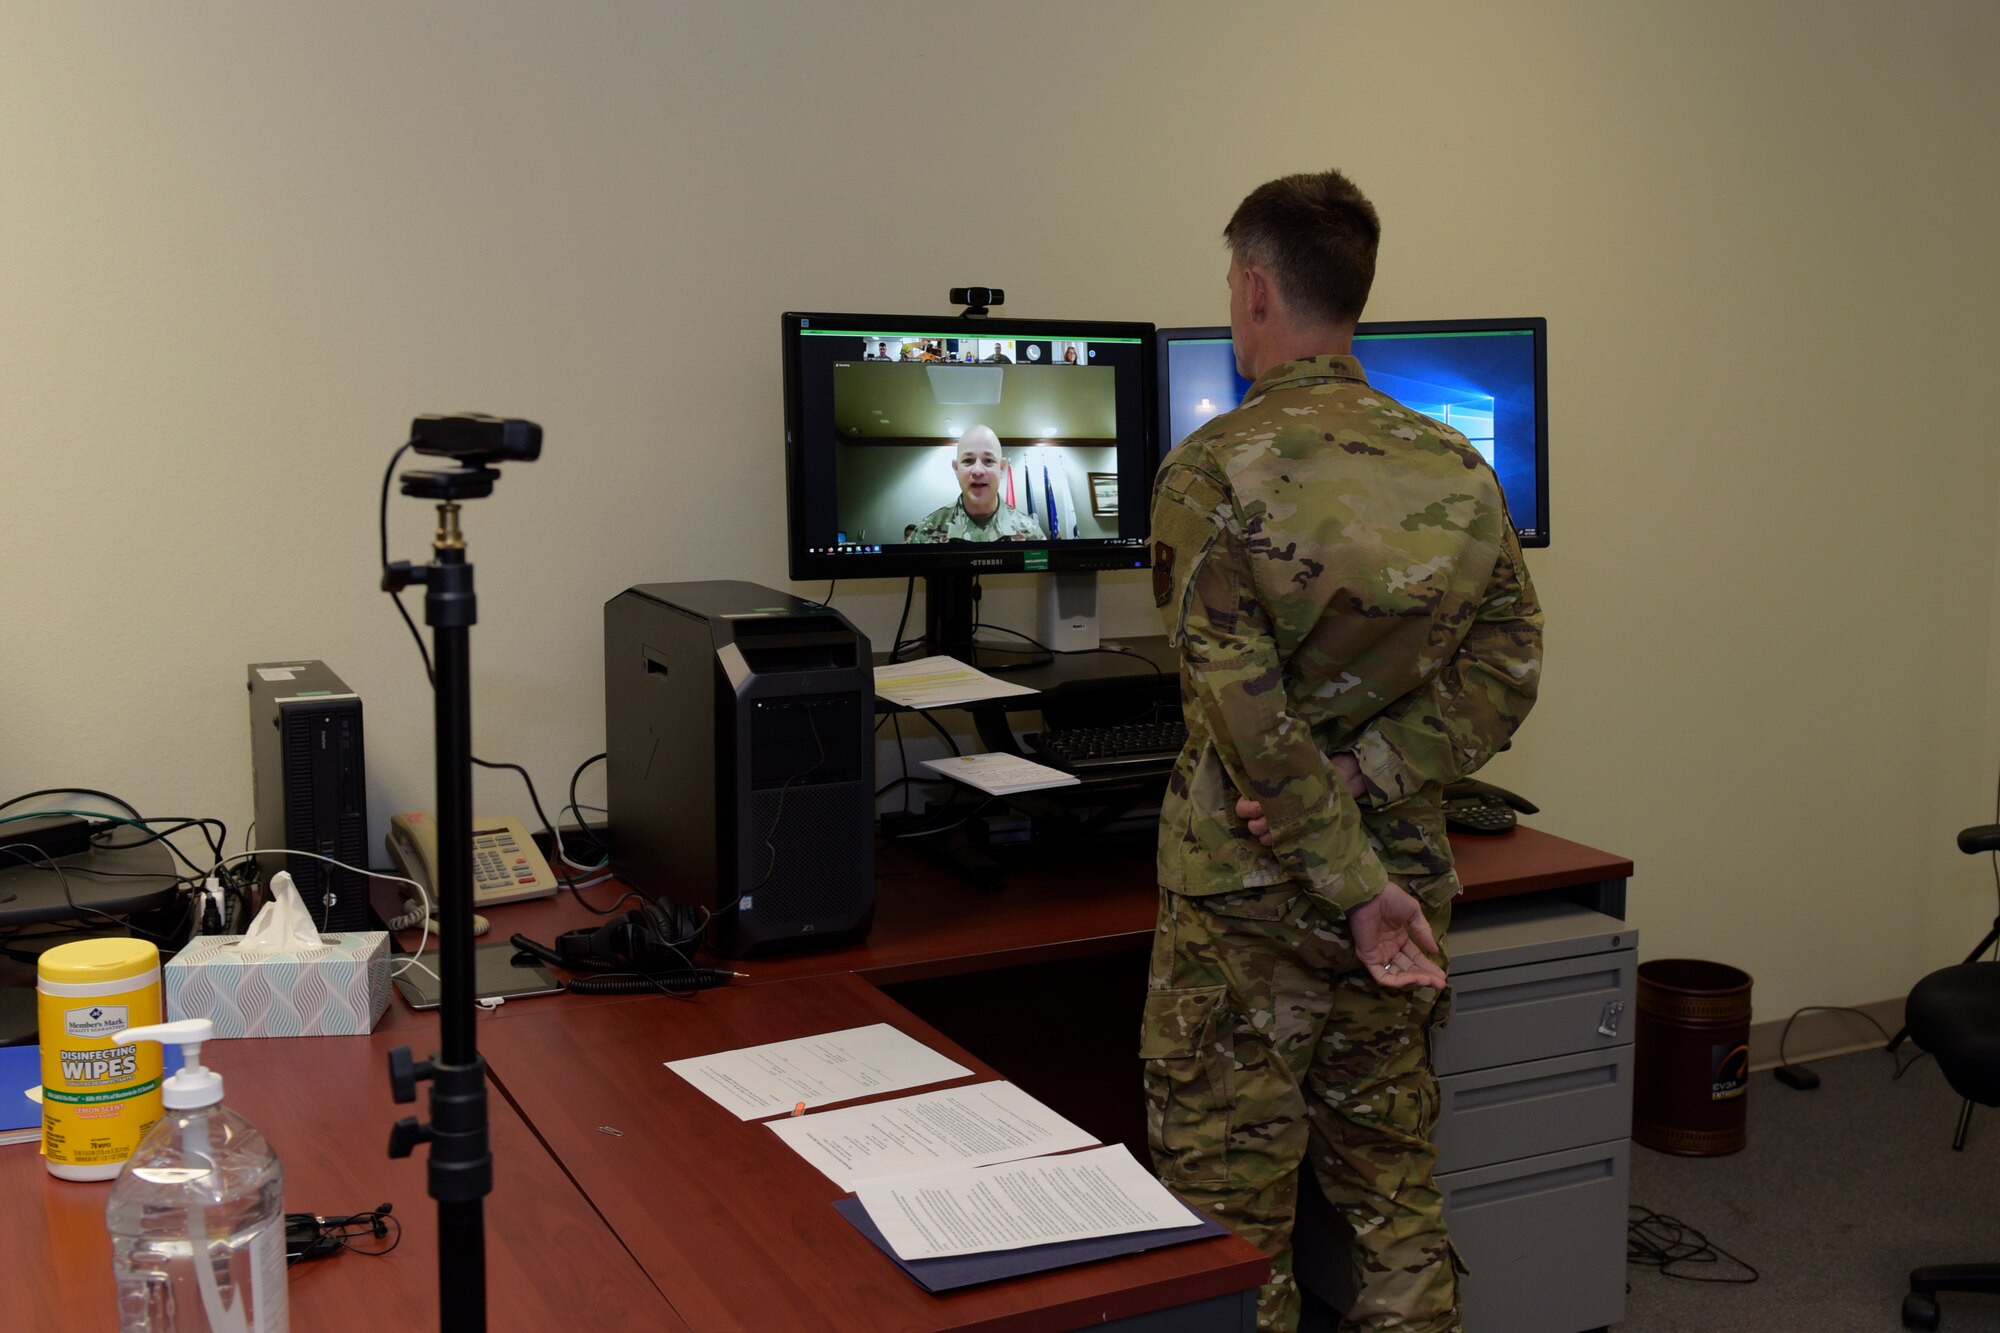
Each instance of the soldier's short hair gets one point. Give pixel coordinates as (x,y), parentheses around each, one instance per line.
(1317,233)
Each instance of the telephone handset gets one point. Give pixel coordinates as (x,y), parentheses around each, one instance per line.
(1472,806)
(506,865)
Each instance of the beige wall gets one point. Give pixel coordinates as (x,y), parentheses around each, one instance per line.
(240,245)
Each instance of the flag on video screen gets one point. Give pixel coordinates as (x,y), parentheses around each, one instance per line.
(1047,478)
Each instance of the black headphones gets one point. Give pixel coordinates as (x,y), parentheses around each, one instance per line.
(652,943)
(650,938)
(653,938)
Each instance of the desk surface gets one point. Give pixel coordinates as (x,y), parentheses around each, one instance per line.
(738,1230)
(930,924)
(324,1103)
(591,1229)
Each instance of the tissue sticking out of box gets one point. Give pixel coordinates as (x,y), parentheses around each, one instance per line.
(284,925)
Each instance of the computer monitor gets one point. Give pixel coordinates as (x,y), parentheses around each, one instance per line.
(1485,378)
(948,447)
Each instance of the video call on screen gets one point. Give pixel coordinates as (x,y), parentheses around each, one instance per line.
(1034,421)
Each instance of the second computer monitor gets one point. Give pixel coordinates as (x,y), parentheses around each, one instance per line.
(1485,378)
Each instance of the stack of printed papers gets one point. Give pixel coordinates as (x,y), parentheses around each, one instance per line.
(1042,1201)
(959,1186)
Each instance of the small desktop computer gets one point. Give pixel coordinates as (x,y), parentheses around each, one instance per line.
(310,787)
(740,762)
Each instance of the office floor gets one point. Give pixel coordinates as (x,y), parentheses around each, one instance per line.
(1840,1192)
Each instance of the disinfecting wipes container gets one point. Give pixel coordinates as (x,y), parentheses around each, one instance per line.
(99,1095)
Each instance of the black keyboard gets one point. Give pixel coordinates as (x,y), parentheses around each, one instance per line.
(1135,748)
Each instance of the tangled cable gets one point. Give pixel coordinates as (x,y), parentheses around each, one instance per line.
(1654,1240)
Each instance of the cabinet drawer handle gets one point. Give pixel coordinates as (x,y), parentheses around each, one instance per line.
(1542,1182)
(1549,988)
(1528,1089)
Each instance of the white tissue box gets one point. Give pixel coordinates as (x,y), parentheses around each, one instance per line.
(337,990)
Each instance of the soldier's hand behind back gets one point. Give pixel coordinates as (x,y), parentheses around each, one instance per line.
(1393,941)
(1252,812)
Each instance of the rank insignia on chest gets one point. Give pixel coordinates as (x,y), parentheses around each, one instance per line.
(1163,573)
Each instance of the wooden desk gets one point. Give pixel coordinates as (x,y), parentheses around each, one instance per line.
(551,1262)
(1061,951)
(929,924)
(738,1230)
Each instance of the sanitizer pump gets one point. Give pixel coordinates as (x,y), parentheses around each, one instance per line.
(197,1217)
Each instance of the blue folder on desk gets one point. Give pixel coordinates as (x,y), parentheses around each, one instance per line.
(20,1067)
(967,1270)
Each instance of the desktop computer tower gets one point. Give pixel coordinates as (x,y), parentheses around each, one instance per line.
(311,794)
(740,761)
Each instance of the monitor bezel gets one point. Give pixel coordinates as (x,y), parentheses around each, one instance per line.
(1538,325)
(991,558)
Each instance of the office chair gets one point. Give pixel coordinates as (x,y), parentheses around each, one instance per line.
(1954,1013)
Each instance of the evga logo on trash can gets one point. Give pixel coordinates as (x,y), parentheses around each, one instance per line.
(1732,1072)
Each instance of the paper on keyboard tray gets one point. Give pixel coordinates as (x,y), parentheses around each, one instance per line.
(1001,774)
(940,682)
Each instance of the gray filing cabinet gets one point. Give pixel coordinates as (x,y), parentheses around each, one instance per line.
(1535,1075)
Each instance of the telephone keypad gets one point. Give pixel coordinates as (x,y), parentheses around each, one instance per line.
(1474,815)
(497,862)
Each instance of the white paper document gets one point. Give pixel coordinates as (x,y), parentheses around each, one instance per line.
(757,1081)
(970,1126)
(1001,774)
(1102,1192)
(939,682)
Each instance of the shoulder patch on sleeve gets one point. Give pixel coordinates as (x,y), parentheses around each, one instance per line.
(1184,532)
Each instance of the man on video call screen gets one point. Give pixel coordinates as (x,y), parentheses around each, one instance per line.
(975,440)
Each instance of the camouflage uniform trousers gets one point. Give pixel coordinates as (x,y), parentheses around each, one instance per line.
(1263,1037)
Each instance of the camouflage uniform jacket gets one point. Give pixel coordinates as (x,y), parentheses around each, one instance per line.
(1339,574)
(953,524)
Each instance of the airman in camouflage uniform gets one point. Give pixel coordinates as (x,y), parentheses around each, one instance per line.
(979,514)
(953,524)
(1356,629)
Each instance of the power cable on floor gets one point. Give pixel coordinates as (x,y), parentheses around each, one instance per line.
(1654,1240)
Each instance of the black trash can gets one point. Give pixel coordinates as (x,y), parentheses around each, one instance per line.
(1691,1057)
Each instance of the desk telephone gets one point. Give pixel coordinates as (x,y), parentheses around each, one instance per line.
(1472,806)
(506,865)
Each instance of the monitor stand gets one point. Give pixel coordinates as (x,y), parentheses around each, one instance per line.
(948,604)
(949,612)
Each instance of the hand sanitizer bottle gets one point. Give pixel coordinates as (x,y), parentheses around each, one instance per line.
(197,1217)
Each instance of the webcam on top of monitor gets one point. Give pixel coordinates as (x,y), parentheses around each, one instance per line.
(977,300)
